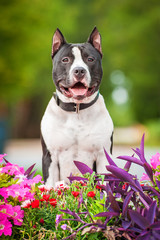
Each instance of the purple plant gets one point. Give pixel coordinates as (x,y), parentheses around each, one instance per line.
(133,209)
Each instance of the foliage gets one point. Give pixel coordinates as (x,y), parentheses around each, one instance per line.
(112,205)
(16,186)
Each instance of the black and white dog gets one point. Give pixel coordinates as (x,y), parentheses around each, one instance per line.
(76,124)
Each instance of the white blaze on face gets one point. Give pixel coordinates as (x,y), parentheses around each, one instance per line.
(78,62)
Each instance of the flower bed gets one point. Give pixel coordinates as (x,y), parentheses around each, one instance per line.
(108,206)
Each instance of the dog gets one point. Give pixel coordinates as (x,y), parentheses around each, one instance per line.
(76,124)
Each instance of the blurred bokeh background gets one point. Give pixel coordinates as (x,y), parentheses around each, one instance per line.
(130,33)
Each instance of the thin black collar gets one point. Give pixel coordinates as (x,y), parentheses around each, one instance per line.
(73,107)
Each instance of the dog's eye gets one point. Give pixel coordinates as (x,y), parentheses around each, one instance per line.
(90,59)
(65,60)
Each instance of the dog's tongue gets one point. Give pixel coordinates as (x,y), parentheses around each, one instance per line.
(78,89)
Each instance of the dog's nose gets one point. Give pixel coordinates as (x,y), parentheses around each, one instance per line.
(79,72)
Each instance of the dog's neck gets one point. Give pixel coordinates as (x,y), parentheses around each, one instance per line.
(76,101)
(73,105)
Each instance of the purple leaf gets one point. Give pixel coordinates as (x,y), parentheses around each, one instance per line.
(151,212)
(28,171)
(123,175)
(131,159)
(77,218)
(137,151)
(156,235)
(126,224)
(83,168)
(126,202)
(107,214)
(158,184)
(156,226)
(138,219)
(142,149)
(30,176)
(145,236)
(80,201)
(76,178)
(6,160)
(143,200)
(110,161)
(127,166)
(114,204)
(149,188)
(149,171)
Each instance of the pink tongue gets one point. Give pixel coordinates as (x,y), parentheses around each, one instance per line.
(78,90)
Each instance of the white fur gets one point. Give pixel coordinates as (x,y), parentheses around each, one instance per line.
(70,136)
(78,62)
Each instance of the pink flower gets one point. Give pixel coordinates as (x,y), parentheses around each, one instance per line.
(4,193)
(144,177)
(21,191)
(29,182)
(2,156)
(6,210)
(14,213)
(64,226)
(15,190)
(5,226)
(155,160)
(58,219)
(18,215)
(12,169)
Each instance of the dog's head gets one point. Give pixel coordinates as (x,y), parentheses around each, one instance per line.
(77,70)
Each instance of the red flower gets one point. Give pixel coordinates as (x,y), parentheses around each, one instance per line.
(34,226)
(41,221)
(98,187)
(91,194)
(46,197)
(83,183)
(124,186)
(53,202)
(75,194)
(35,204)
(59,192)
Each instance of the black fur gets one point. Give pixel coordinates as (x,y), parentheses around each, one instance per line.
(46,160)
(111,148)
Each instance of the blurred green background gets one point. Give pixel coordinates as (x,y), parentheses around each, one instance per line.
(130,33)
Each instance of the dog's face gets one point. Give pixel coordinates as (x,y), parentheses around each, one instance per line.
(77,70)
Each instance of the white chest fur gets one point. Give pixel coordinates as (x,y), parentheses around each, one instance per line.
(70,136)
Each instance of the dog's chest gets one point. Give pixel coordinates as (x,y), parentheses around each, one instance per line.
(73,132)
(76,134)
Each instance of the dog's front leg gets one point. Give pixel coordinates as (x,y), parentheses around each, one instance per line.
(101,162)
(53,173)
(50,166)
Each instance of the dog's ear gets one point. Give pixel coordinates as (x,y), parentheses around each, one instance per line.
(95,40)
(58,41)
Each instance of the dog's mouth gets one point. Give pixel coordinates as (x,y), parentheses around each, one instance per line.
(78,91)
